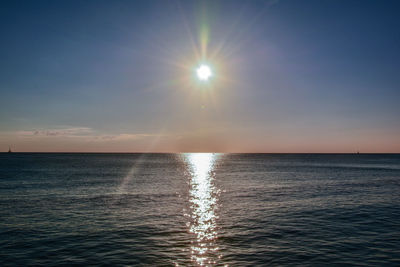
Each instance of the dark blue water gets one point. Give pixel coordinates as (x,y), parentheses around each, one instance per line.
(199,209)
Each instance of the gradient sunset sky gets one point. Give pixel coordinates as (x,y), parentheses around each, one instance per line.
(118,76)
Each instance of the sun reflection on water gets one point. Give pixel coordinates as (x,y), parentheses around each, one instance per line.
(203,197)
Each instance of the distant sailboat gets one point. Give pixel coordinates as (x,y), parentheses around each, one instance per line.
(9,150)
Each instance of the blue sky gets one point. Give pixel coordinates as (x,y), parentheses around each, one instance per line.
(290,76)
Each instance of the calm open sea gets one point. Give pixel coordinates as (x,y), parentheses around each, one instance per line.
(200,209)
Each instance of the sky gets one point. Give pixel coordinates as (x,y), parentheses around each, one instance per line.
(119,76)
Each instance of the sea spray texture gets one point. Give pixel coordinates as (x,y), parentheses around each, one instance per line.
(192,209)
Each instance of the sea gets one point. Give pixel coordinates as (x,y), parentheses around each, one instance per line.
(199,209)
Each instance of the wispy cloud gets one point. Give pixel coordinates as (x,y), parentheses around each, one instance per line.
(75,131)
(126,136)
(85,133)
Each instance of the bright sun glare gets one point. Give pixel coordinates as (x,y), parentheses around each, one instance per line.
(203,72)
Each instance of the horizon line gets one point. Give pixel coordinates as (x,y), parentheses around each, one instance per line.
(188,152)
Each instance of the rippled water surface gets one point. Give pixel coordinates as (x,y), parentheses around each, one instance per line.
(200,209)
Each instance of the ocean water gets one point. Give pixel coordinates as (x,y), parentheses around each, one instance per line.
(200,209)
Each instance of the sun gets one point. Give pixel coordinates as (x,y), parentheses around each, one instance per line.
(204,72)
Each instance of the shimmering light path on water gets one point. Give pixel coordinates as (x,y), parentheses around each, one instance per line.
(203,207)
(199,209)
